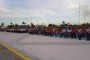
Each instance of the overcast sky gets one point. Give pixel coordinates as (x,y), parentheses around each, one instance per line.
(44,11)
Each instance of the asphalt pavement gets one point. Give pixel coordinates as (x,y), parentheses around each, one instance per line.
(6,54)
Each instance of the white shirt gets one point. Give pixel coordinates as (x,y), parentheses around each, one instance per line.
(69,30)
(79,30)
(63,30)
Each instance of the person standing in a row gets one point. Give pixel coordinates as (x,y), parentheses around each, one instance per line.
(88,33)
(73,32)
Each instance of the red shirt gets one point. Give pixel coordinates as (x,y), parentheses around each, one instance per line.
(83,30)
(74,30)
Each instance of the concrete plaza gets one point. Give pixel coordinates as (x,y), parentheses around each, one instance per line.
(38,47)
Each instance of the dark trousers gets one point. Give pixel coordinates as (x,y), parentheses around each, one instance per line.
(88,36)
(65,34)
(73,35)
(81,36)
(46,33)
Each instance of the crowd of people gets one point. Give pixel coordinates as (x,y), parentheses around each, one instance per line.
(66,32)
(73,32)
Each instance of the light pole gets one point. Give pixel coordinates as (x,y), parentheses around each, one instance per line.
(79,12)
(48,21)
(84,18)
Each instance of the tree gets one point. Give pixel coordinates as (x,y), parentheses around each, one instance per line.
(49,25)
(32,25)
(16,25)
(11,23)
(63,22)
(23,23)
(2,24)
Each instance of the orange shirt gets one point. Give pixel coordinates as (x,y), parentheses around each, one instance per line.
(49,29)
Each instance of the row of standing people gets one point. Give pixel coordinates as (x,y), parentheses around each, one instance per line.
(66,32)
(62,32)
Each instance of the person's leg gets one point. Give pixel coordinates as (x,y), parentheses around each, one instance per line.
(88,36)
(74,35)
(83,35)
(45,33)
(77,35)
(51,34)
(54,33)
(80,36)
(65,34)
(32,33)
(71,35)
(59,34)
(62,34)
(68,34)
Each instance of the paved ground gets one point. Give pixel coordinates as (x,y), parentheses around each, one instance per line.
(38,47)
(5,54)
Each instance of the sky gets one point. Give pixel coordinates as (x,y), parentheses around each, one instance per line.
(44,11)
